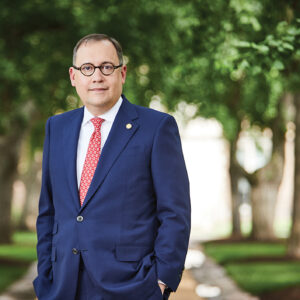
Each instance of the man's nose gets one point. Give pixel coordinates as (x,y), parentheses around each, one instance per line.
(98,76)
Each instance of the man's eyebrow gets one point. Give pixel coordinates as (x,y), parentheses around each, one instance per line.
(104,62)
(108,62)
(85,63)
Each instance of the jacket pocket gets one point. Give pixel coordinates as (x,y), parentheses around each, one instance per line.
(131,253)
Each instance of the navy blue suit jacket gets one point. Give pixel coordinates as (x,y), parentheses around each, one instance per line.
(134,224)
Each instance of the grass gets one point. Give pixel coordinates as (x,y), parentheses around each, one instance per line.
(23,247)
(25,238)
(227,252)
(14,258)
(256,277)
(9,274)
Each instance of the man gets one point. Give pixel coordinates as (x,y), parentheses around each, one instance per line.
(114,210)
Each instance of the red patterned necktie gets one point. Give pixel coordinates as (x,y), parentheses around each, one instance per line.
(91,159)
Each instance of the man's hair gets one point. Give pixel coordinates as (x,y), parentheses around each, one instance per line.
(99,37)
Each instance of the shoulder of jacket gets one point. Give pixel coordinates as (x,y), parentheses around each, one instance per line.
(66,115)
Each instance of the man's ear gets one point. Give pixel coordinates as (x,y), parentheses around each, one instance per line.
(72,75)
(123,73)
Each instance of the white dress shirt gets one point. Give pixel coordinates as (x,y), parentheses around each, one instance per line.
(87,129)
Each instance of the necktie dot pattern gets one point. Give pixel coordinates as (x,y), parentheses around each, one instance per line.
(91,159)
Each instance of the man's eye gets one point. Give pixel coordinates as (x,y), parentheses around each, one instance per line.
(87,68)
(107,67)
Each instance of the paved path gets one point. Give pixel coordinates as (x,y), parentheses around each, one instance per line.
(22,289)
(211,275)
(213,281)
(187,287)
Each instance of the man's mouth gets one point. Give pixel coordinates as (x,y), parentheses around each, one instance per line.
(98,89)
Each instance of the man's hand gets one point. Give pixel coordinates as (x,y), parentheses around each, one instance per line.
(162,287)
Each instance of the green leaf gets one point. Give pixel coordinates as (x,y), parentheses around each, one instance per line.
(278,65)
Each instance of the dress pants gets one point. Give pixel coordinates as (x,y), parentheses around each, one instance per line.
(86,289)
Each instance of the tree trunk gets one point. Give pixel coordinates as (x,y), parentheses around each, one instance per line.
(266,185)
(294,241)
(234,171)
(33,187)
(9,153)
(264,197)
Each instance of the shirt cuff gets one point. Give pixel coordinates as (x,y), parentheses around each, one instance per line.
(159,281)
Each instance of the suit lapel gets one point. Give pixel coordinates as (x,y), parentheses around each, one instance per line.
(71,136)
(117,140)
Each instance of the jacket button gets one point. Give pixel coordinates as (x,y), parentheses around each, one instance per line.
(79,219)
(75,251)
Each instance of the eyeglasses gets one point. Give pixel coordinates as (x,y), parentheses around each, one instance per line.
(105,68)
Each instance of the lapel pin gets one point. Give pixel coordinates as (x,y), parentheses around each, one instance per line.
(128,126)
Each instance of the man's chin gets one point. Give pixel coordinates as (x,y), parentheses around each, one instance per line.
(99,106)
(97,102)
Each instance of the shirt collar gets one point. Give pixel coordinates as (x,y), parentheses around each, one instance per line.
(107,116)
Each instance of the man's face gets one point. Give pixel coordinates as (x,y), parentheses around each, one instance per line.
(98,92)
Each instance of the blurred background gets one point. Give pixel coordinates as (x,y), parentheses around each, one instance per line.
(228,70)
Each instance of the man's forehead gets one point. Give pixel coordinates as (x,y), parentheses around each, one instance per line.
(104,46)
(91,50)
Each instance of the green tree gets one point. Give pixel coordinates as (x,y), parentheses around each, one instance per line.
(232,59)
(31,61)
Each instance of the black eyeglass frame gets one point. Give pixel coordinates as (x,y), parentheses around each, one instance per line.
(99,67)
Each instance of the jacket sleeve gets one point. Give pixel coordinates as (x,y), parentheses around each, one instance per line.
(44,225)
(171,187)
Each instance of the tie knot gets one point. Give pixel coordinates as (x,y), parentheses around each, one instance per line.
(97,123)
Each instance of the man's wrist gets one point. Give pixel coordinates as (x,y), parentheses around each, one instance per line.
(162,286)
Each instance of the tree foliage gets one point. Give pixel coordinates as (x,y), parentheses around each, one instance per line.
(223,56)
